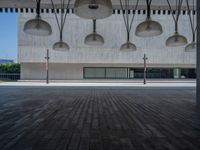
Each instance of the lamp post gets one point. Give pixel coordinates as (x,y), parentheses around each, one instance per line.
(145,68)
(47,66)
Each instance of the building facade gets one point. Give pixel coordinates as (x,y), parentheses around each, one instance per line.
(107,61)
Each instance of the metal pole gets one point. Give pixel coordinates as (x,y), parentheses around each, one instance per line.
(198,57)
(145,69)
(47,66)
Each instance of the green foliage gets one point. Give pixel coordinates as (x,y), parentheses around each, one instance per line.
(10,68)
(6,80)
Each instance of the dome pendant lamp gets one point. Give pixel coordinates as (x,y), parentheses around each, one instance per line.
(37,26)
(60,45)
(94,38)
(93,9)
(128,46)
(193,45)
(149,28)
(176,39)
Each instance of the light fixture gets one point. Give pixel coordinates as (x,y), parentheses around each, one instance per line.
(193,45)
(37,26)
(94,38)
(148,28)
(128,46)
(61,45)
(93,9)
(176,39)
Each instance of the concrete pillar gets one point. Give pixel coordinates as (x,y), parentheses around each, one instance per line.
(131,74)
(198,56)
(177,73)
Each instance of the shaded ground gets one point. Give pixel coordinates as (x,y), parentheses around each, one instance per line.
(98,118)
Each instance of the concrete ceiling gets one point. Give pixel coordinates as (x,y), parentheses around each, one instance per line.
(156,4)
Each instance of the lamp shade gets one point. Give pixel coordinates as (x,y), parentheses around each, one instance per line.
(128,47)
(37,27)
(148,28)
(93,9)
(176,40)
(61,46)
(191,47)
(94,39)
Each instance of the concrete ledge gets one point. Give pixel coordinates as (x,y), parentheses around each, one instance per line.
(106,83)
(115,81)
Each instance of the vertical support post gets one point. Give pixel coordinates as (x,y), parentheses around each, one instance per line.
(177,73)
(47,66)
(198,56)
(145,69)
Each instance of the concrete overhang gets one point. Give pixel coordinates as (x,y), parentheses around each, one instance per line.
(156,4)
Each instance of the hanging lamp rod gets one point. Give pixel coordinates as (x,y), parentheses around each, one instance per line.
(128,23)
(148,3)
(38,7)
(94,25)
(192,20)
(63,16)
(177,12)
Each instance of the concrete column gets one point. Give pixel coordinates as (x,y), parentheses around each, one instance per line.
(198,56)
(131,74)
(177,73)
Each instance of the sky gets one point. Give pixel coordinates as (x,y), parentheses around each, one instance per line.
(8,35)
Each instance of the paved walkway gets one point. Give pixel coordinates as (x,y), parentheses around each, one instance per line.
(116,81)
(98,118)
(106,83)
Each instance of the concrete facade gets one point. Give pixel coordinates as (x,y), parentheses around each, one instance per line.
(69,65)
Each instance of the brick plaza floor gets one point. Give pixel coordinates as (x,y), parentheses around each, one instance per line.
(98,118)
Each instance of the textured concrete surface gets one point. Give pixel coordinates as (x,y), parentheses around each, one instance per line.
(69,65)
(156,4)
(32,49)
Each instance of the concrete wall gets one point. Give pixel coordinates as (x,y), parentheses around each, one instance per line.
(69,65)
(32,49)
(36,71)
(58,71)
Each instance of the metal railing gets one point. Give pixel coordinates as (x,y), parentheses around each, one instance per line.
(10,76)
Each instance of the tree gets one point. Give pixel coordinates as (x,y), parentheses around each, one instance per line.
(10,68)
